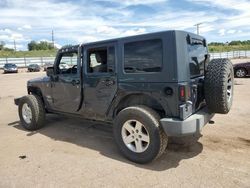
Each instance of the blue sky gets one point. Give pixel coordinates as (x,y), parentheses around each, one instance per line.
(85,20)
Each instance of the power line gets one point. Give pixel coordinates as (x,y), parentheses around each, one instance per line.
(15,45)
(52,38)
(198,28)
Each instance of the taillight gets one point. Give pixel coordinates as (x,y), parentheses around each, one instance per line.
(184,93)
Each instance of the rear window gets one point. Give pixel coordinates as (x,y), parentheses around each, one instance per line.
(197,57)
(143,56)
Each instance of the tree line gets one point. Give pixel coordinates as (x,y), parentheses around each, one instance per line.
(42,45)
(232,43)
(32,45)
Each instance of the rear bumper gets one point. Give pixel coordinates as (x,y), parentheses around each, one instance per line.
(191,125)
(10,71)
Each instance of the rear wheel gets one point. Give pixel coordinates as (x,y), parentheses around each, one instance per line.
(219,84)
(138,134)
(31,112)
(241,73)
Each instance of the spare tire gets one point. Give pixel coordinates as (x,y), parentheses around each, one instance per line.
(218,85)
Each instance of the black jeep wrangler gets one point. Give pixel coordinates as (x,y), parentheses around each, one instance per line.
(150,87)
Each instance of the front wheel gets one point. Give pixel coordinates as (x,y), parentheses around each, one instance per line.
(138,134)
(31,112)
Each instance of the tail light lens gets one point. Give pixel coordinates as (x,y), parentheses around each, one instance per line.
(184,93)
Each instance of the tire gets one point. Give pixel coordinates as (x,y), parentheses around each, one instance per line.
(147,120)
(241,73)
(218,86)
(35,107)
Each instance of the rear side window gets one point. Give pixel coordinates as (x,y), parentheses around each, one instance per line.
(143,56)
(197,57)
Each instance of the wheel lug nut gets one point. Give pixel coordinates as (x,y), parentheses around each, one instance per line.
(136,131)
(139,136)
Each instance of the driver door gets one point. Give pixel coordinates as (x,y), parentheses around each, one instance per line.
(66,88)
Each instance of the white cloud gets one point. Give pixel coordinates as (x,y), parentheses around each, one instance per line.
(5,31)
(86,39)
(24,27)
(4,37)
(240,18)
(137,2)
(205,28)
(107,30)
(134,32)
(222,32)
(87,21)
(231,31)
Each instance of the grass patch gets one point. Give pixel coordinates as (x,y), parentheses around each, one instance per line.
(227,48)
(35,53)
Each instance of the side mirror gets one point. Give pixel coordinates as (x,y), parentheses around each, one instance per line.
(50,71)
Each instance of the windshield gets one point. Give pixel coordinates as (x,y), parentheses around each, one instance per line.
(197,57)
(10,65)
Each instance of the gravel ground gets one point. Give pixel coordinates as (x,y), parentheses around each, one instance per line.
(77,153)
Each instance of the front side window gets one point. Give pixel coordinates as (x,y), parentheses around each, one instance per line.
(67,63)
(143,56)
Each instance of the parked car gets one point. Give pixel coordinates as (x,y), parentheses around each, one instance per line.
(149,87)
(34,68)
(242,70)
(10,68)
(48,64)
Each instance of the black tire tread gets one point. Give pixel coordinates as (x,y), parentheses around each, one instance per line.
(215,83)
(154,116)
(37,108)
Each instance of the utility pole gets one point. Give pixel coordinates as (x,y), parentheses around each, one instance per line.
(15,45)
(52,39)
(198,28)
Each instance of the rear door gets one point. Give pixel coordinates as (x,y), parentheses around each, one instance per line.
(100,82)
(66,89)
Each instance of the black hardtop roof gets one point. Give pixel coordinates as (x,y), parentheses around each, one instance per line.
(146,34)
(75,47)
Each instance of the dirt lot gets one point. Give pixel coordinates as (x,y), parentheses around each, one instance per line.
(77,153)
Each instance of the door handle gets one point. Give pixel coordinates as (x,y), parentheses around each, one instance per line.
(108,82)
(75,82)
